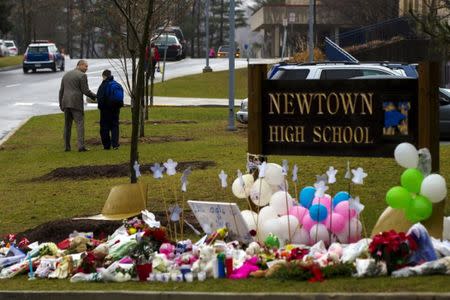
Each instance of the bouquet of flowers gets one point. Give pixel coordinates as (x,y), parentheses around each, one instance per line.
(393,248)
(147,243)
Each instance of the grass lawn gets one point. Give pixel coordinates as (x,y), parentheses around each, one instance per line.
(37,148)
(205,85)
(8,61)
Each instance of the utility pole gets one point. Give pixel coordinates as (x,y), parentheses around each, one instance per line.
(311,31)
(207,68)
(231,126)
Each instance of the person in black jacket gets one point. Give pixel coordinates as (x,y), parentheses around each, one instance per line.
(109,113)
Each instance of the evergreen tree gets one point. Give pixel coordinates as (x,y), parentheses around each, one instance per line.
(5,9)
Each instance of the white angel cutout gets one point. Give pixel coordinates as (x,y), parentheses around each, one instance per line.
(321,188)
(348,174)
(170,167)
(157,171)
(136,168)
(358,176)
(355,204)
(294,173)
(285,167)
(262,170)
(223,179)
(331,173)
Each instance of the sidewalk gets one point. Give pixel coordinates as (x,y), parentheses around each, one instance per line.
(178,101)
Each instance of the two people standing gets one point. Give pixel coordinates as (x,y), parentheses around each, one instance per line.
(74,85)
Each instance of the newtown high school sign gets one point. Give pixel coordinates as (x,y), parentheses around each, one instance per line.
(361,117)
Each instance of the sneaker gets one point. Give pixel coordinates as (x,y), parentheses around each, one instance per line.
(116,148)
(83,149)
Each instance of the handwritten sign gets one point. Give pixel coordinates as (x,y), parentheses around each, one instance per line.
(215,215)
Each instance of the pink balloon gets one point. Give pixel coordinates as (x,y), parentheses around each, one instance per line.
(298,212)
(336,223)
(343,209)
(308,222)
(325,201)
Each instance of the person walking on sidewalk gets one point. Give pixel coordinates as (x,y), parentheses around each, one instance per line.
(110,100)
(74,85)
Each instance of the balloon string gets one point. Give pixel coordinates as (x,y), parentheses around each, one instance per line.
(166,209)
(287,209)
(348,208)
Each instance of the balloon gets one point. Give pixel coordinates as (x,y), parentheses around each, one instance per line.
(298,211)
(325,201)
(308,222)
(318,212)
(274,175)
(434,188)
(343,236)
(319,232)
(306,196)
(250,218)
(406,155)
(411,180)
(301,236)
(355,230)
(335,222)
(240,191)
(288,224)
(420,209)
(260,192)
(339,197)
(398,197)
(342,208)
(266,213)
(281,202)
(270,226)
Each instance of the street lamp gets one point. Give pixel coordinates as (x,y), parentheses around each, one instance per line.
(207,68)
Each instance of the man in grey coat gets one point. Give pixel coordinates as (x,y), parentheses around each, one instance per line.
(73,85)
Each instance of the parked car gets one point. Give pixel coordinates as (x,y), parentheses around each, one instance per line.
(13,50)
(444,113)
(43,56)
(171,43)
(175,30)
(4,51)
(223,51)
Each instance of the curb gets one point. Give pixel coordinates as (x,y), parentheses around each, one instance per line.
(10,68)
(125,295)
(13,131)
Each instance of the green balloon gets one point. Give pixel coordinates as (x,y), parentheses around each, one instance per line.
(398,197)
(411,180)
(420,209)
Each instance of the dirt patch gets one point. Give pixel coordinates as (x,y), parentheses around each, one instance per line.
(111,171)
(56,231)
(143,140)
(128,122)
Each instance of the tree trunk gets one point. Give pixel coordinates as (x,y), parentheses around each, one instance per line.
(69,24)
(222,8)
(198,29)
(193,35)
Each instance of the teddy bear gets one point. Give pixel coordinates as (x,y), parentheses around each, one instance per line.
(205,261)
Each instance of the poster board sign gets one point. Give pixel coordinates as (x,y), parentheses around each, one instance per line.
(215,215)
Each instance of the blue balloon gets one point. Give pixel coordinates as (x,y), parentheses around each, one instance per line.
(306,196)
(318,212)
(339,197)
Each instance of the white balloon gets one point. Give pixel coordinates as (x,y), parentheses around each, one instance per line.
(281,202)
(343,236)
(260,192)
(355,230)
(240,191)
(288,224)
(250,217)
(274,175)
(434,188)
(301,236)
(267,213)
(270,226)
(406,155)
(319,232)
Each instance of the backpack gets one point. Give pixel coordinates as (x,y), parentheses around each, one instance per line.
(115,93)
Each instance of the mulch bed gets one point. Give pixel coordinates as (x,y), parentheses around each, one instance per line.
(57,231)
(143,140)
(111,171)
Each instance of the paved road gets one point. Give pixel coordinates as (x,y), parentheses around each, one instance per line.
(26,95)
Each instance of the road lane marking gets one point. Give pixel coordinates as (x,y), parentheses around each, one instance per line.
(12,85)
(23,104)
